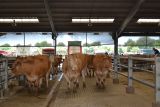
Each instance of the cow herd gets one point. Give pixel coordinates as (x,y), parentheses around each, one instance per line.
(37,69)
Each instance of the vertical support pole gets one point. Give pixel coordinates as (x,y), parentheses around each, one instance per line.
(86,44)
(24,39)
(157,83)
(55,46)
(130,88)
(115,38)
(1,85)
(115,76)
(6,74)
(54,38)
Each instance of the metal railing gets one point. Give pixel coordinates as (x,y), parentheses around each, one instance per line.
(5,64)
(156,72)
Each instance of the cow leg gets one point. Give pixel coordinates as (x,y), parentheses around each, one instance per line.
(108,74)
(83,77)
(92,73)
(77,82)
(97,81)
(75,86)
(37,85)
(68,81)
(46,78)
(52,72)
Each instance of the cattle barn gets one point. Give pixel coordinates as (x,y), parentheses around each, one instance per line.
(80,53)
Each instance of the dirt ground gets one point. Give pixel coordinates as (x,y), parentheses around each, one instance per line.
(113,95)
(25,99)
(144,90)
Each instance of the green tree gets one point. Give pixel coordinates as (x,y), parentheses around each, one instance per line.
(86,44)
(6,45)
(120,50)
(135,49)
(96,43)
(43,44)
(144,41)
(130,42)
(157,43)
(60,44)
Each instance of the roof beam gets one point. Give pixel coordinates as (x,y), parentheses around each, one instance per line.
(130,16)
(49,14)
(140,34)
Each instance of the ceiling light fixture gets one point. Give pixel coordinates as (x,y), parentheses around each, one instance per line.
(91,20)
(19,20)
(148,21)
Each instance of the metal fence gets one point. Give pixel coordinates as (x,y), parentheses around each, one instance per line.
(5,74)
(130,66)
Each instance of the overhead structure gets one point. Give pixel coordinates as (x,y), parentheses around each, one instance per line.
(130,16)
(49,14)
(124,12)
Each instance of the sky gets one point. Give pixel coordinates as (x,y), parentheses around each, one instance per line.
(33,38)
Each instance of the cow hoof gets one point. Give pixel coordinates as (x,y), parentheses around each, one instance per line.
(77,85)
(68,91)
(97,84)
(84,85)
(74,91)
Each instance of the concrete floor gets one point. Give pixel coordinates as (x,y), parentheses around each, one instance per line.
(23,98)
(112,96)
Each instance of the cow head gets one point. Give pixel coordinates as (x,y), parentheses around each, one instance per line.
(16,66)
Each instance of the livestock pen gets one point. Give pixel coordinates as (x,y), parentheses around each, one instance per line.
(114,95)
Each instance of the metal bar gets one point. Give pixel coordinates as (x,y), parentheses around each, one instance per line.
(6,74)
(11,77)
(125,75)
(2,82)
(50,17)
(142,59)
(142,69)
(130,16)
(1,69)
(123,57)
(115,68)
(157,81)
(140,34)
(139,80)
(143,82)
(2,75)
(125,66)
(130,71)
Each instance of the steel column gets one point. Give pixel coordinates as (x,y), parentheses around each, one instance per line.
(115,38)
(130,88)
(157,83)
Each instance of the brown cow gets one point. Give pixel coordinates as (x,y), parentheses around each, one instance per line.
(35,68)
(57,62)
(73,66)
(90,70)
(102,64)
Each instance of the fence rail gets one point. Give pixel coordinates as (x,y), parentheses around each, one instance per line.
(131,67)
(5,63)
